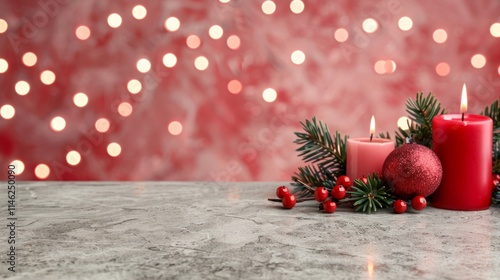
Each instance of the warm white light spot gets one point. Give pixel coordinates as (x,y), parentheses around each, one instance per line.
(4,65)
(380,67)
(370,25)
(297,6)
(440,36)
(58,123)
(114,149)
(193,41)
(405,23)
(169,60)
(7,111)
(341,35)
(125,109)
(143,65)
(389,66)
(443,69)
(269,95)
(233,42)
(234,86)
(102,125)
(48,77)
(215,32)
(372,125)
(80,99)
(298,57)
(495,29)
(478,61)
(82,32)
(19,166)
(201,63)
(114,20)
(224,1)
(172,24)
(22,88)
(175,128)
(29,59)
(498,70)
(139,12)
(3,25)
(42,171)
(463,100)
(134,86)
(403,123)
(268,7)
(73,157)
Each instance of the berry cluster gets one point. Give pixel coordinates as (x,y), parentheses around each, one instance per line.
(417,203)
(321,194)
(330,199)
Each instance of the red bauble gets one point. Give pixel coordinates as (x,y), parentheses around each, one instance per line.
(412,170)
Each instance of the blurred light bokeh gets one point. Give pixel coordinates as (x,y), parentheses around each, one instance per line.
(213,90)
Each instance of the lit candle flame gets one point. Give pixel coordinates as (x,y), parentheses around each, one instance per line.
(372,126)
(463,104)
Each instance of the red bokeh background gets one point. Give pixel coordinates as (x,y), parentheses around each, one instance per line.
(352,69)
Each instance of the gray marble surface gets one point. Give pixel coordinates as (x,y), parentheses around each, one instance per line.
(171,230)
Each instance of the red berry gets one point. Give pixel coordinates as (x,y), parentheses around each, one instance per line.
(496,177)
(344,181)
(320,194)
(289,201)
(281,191)
(338,192)
(329,206)
(364,179)
(418,202)
(495,180)
(494,183)
(399,206)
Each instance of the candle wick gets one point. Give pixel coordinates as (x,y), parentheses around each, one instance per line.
(371,137)
(463,114)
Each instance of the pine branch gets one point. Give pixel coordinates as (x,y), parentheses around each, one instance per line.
(421,111)
(370,196)
(313,177)
(318,147)
(493,111)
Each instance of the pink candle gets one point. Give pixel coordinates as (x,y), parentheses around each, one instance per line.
(463,143)
(367,155)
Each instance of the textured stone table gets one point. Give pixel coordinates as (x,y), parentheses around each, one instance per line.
(174,230)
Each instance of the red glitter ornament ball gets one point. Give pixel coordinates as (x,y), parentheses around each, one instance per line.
(412,170)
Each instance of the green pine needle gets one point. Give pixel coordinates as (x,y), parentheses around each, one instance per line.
(370,196)
(493,111)
(420,111)
(318,147)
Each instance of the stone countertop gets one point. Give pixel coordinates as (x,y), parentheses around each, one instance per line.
(173,230)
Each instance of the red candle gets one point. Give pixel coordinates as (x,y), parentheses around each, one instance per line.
(463,143)
(367,155)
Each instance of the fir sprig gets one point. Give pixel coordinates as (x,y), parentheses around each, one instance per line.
(493,111)
(312,176)
(318,147)
(370,196)
(421,111)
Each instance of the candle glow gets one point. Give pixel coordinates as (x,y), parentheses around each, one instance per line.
(463,103)
(372,127)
